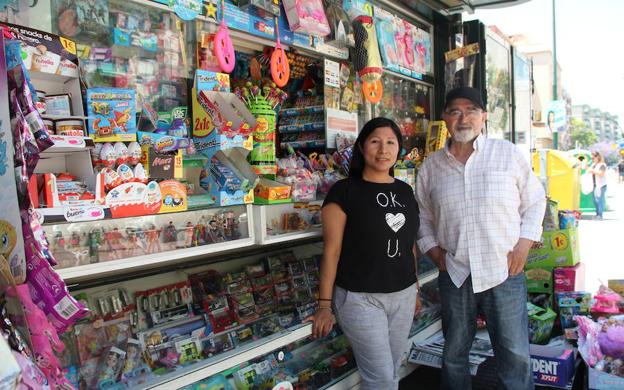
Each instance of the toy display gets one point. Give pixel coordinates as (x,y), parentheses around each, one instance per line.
(112,114)
(90,242)
(223,47)
(602,347)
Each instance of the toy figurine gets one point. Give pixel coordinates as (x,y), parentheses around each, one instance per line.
(133,357)
(153,239)
(170,234)
(134,246)
(94,240)
(110,249)
(212,233)
(59,240)
(188,234)
(199,233)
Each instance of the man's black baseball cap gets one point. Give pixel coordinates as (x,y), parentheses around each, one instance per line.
(469,93)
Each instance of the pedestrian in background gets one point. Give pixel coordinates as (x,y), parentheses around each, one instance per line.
(481,209)
(370,222)
(621,170)
(598,169)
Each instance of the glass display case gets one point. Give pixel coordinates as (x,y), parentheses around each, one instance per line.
(284,222)
(408,103)
(498,86)
(307,364)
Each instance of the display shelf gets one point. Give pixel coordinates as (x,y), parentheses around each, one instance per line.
(304,144)
(64,144)
(271,217)
(219,363)
(424,334)
(290,112)
(64,117)
(314,126)
(99,270)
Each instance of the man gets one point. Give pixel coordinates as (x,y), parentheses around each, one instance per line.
(481,209)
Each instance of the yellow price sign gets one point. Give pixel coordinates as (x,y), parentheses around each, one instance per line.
(559,241)
(622,152)
(69,45)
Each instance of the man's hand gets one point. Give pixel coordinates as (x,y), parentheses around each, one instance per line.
(516,259)
(438,255)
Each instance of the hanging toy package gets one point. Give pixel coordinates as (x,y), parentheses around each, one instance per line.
(366,58)
(341,31)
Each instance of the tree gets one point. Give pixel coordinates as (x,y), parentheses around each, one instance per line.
(581,133)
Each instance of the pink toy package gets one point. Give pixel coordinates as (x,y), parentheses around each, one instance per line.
(47,289)
(307,16)
(568,279)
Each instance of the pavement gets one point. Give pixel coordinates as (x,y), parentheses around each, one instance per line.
(602,242)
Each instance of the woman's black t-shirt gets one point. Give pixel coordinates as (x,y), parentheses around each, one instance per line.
(380,232)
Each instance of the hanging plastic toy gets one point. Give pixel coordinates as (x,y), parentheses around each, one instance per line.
(366,59)
(223,47)
(280,68)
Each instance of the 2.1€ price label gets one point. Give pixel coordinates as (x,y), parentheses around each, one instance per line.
(559,241)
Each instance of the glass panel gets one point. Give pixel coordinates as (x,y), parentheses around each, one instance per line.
(121,44)
(309,363)
(498,81)
(408,103)
(74,244)
(522,95)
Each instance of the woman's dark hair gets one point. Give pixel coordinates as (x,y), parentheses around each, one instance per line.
(356,166)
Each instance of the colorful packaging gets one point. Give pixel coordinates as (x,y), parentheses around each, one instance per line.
(307,17)
(112,114)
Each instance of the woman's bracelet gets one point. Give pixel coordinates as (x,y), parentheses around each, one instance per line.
(325,308)
(324,299)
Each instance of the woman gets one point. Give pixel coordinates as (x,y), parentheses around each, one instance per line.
(368,270)
(598,169)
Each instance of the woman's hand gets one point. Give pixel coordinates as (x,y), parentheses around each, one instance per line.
(418,307)
(322,322)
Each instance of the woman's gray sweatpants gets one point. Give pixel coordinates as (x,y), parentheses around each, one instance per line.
(377,326)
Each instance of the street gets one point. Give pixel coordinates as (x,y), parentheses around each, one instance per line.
(602,241)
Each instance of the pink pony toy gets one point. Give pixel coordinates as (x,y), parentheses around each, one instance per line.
(44,340)
(409,46)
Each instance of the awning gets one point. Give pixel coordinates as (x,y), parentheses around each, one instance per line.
(459,6)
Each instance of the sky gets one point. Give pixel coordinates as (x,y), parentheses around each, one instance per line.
(590,35)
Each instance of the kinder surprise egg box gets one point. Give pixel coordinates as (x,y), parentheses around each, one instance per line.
(112,114)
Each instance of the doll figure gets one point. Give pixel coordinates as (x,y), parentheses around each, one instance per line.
(188,234)
(212,232)
(133,357)
(110,247)
(153,239)
(110,366)
(59,240)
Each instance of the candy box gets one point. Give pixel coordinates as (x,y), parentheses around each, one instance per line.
(569,278)
(552,365)
(112,114)
(541,322)
(271,192)
(558,248)
(161,165)
(163,142)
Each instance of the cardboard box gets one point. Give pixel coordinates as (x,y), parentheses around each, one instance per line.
(112,114)
(161,165)
(599,380)
(236,160)
(559,248)
(58,58)
(541,322)
(617,285)
(539,280)
(163,142)
(552,365)
(571,304)
(569,278)
(271,192)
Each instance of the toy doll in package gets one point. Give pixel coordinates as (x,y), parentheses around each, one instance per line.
(111,112)
(307,16)
(110,366)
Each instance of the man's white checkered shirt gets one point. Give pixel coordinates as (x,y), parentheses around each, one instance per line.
(477,212)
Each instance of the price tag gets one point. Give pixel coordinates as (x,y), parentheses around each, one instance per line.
(559,242)
(69,45)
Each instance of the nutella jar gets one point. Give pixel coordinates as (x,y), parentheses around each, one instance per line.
(74,127)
